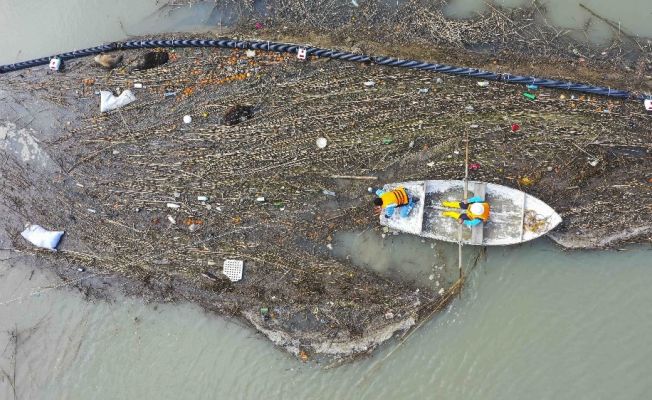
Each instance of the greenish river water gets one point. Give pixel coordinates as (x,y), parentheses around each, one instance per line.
(533,322)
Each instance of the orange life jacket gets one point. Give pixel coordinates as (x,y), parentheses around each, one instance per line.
(484,215)
(396,197)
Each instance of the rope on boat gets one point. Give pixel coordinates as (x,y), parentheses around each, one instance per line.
(332,54)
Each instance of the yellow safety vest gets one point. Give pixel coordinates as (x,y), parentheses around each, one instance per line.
(396,197)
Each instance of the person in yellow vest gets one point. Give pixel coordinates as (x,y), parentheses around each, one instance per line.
(393,199)
(476,211)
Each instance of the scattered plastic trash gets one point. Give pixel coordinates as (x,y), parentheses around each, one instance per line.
(411,144)
(469,108)
(474,126)
(56,64)
(483,83)
(431,164)
(169,94)
(439,80)
(259,25)
(529,96)
(260,199)
(202,198)
(532,87)
(474,167)
(81,269)
(233,269)
(423,90)
(41,237)
(251,53)
(516,127)
(648,104)
(173,205)
(171,219)
(328,192)
(329,246)
(387,141)
(302,54)
(562,97)
(187,119)
(355,3)
(108,102)
(138,85)
(369,83)
(594,162)
(370,189)
(321,142)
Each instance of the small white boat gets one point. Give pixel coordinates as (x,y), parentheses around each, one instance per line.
(515,217)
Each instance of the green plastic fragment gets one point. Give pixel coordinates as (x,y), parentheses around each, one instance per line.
(387,141)
(529,96)
(264,310)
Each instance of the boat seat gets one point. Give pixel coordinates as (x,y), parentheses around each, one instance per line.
(479,189)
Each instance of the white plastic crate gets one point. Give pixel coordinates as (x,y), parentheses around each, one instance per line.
(233,269)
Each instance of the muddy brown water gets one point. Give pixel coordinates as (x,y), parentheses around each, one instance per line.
(533,322)
(32,29)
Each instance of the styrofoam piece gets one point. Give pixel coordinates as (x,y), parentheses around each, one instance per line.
(233,269)
(41,237)
(321,142)
(108,102)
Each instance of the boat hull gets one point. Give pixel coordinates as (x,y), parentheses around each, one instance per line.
(516,217)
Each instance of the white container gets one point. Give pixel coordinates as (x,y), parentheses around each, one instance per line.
(483,83)
(202,198)
(55,64)
(260,199)
(172,205)
(187,119)
(138,85)
(302,54)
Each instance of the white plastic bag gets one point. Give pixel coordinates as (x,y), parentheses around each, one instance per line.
(40,237)
(109,102)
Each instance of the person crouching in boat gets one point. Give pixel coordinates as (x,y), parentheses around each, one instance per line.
(393,199)
(475,211)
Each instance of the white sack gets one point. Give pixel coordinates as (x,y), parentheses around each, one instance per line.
(36,235)
(109,102)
